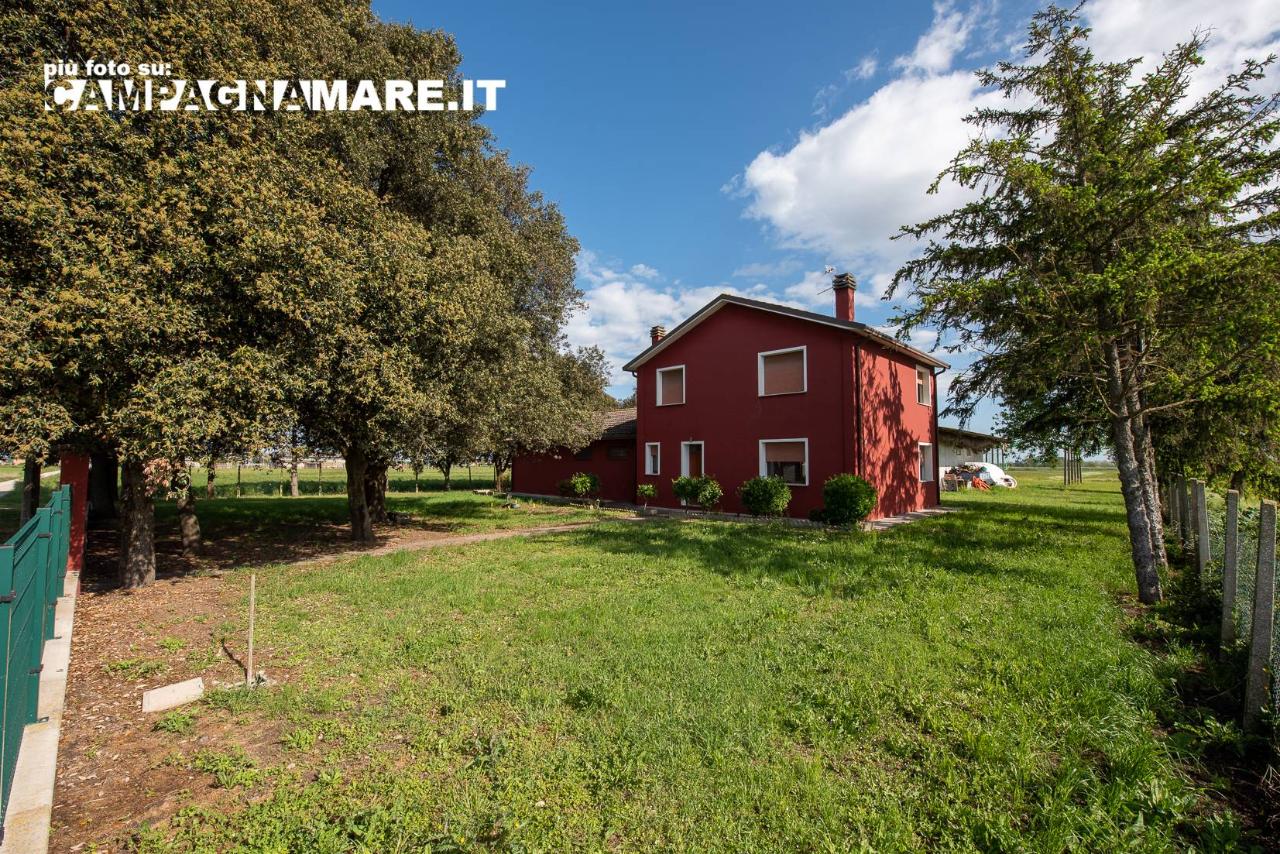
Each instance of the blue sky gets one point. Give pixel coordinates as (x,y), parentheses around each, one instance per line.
(701,148)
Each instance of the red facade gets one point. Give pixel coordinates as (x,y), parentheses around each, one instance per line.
(613,461)
(858,411)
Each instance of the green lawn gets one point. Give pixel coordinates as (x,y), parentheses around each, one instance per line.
(331,479)
(965,682)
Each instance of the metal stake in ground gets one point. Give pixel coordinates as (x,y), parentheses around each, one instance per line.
(253,601)
(1230,559)
(1264,591)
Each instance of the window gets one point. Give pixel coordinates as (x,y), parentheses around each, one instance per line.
(652,458)
(783,372)
(618,453)
(584,454)
(926,462)
(671,386)
(923,391)
(785,458)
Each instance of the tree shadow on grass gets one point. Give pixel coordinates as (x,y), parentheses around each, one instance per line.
(253,532)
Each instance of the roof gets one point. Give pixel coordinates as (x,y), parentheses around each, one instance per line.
(617,424)
(969,438)
(800,314)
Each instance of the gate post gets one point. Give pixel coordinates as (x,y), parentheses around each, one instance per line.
(75,471)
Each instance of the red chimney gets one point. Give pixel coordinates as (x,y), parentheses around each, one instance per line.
(656,334)
(845,287)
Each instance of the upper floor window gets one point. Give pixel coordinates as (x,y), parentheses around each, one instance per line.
(785,458)
(671,385)
(783,372)
(923,391)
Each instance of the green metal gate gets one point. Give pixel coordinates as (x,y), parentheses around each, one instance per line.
(33,566)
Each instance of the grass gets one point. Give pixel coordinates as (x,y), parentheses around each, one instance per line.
(965,682)
(331,479)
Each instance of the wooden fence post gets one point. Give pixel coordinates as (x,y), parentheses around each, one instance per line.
(1202,530)
(1175,522)
(1230,562)
(1255,691)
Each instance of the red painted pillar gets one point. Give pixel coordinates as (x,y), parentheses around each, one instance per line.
(75,471)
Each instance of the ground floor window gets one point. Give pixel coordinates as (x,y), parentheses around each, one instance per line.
(618,453)
(785,458)
(652,458)
(926,462)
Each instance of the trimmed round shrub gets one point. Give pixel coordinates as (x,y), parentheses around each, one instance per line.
(765,496)
(580,485)
(847,499)
(702,491)
(646,492)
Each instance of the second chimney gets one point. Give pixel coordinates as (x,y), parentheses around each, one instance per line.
(845,287)
(656,334)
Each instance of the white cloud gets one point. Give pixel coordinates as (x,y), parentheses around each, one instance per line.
(623,304)
(814,293)
(824,97)
(643,271)
(846,187)
(948,35)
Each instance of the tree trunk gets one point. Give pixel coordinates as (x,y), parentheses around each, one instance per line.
(293,477)
(375,490)
(361,522)
(211,472)
(30,489)
(1237,480)
(239,492)
(104,472)
(137,546)
(417,474)
(446,469)
(1146,563)
(188,522)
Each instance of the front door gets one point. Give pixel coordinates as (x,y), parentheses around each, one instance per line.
(691,459)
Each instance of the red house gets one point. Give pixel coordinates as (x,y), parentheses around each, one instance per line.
(746,388)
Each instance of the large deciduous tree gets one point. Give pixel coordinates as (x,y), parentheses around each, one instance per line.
(1119,263)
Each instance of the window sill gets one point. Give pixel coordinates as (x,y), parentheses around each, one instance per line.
(784,393)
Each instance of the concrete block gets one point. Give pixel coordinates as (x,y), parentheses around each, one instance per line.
(177,694)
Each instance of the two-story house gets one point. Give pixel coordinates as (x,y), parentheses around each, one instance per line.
(745,388)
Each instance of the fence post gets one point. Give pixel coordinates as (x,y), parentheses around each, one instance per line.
(1202,530)
(1184,511)
(1255,691)
(1230,561)
(1175,521)
(8,670)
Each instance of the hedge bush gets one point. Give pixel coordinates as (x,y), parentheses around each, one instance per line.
(580,485)
(765,496)
(704,491)
(847,499)
(645,493)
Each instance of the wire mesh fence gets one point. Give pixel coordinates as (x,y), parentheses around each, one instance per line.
(1248,518)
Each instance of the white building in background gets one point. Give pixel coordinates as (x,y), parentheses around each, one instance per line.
(957,446)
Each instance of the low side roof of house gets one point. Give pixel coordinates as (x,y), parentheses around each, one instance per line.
(617,424)
(787,311)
